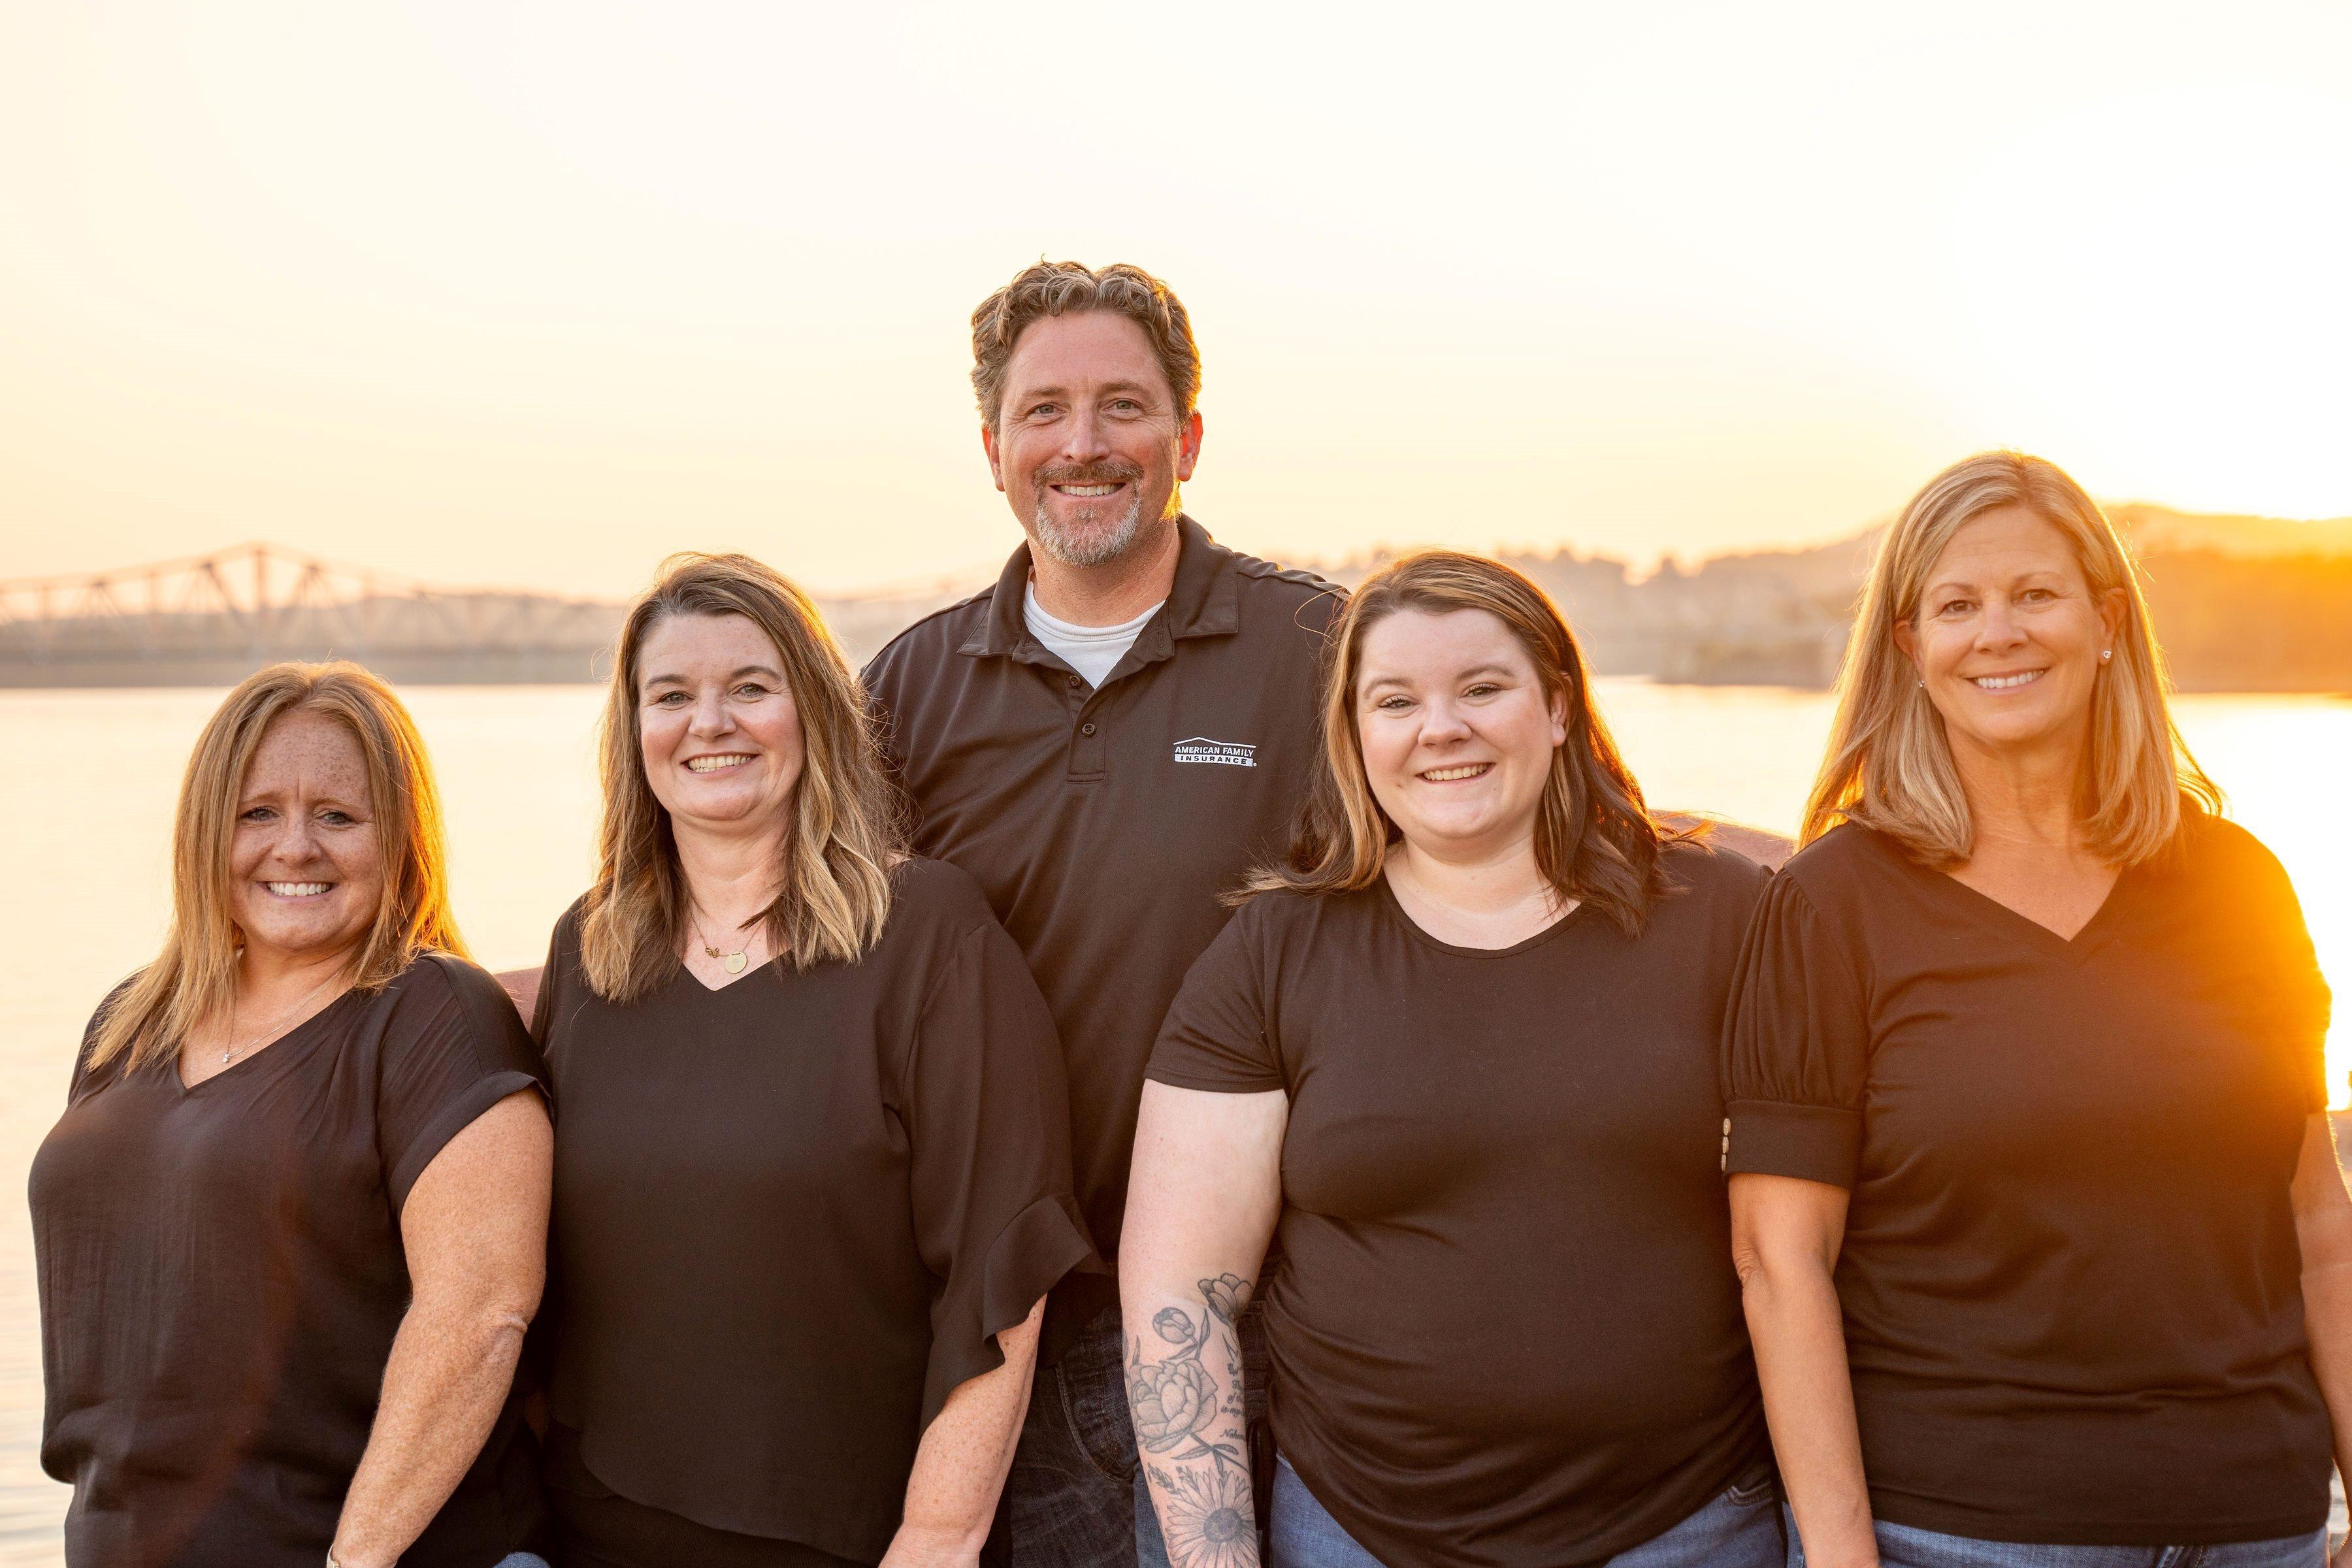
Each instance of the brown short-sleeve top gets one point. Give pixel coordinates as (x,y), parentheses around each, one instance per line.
(2070,1273)
(1505,1332)
(222,1276)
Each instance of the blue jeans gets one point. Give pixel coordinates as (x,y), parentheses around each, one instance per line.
(1076,1496)
(1740,1529)
(1900,1546)
(523,1559)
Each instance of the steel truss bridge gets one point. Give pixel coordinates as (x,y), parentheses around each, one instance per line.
(212,620)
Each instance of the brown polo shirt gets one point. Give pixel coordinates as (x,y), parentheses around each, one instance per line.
(1104,822)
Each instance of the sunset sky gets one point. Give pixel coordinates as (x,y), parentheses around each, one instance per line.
(508,291)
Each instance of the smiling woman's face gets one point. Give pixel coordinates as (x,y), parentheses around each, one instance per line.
(306,867)
(1457,731)
(716,726)
(2008,635)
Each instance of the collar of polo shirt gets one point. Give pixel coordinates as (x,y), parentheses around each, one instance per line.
(1203,601)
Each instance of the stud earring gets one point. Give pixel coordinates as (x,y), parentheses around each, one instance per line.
(2105,654)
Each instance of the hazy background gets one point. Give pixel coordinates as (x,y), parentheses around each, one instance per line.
(518,292)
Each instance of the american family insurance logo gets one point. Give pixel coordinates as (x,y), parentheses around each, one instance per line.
(1230,753)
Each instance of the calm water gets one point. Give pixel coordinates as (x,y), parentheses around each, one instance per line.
(87,781)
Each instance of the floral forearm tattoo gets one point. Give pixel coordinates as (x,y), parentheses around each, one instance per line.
(1189,1427)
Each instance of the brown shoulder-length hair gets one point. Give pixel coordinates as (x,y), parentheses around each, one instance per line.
(1889,764)
(195,977)
(1595,840)
(845,833)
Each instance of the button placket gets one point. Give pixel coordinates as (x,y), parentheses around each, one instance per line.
(1087,758)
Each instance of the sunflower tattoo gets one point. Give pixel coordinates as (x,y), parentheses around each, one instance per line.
(1208,1518)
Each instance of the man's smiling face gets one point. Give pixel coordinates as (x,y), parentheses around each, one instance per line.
(1089,445)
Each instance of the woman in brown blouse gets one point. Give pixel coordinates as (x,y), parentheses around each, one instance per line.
(1457,1054)
(292,1223)
(812,1175)
(2045,1251)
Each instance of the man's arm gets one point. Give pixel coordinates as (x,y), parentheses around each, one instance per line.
(1761,844)
(522,989)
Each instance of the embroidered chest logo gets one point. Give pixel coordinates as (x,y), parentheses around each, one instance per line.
(1229,753)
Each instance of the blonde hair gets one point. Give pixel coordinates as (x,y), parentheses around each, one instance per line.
(845,834)
(195,977)
(1889,764)
(1595,840)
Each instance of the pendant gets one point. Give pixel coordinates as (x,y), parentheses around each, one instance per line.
(735,961)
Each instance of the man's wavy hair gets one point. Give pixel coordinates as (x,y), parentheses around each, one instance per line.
(846,835)
(1889,764)
(1595,840)
(195,977)
(1068,288)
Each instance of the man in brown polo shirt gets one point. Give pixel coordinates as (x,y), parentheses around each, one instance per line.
(1105,740)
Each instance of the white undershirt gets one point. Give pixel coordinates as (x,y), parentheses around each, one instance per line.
(1092,651)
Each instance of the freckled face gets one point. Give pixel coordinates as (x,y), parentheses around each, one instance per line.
(306,868)
(1457,732)
(2008,633)
(716,725)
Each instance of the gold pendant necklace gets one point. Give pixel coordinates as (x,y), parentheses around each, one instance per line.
(734,961)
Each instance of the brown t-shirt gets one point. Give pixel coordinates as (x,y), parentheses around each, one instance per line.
(222,1276)
(1505,1328)
(2070,1274)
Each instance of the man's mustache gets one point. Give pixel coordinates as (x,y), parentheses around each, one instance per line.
(1106,471)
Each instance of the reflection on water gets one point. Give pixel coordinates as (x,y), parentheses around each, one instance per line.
(87,781)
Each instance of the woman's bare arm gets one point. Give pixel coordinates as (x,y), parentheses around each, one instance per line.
(965,1455)
(475,1227)
(1201,1205)
(1785,1236)
(2323,1226)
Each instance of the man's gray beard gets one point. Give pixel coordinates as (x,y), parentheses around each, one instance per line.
(1096,547)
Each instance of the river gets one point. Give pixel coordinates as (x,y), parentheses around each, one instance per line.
(87,781)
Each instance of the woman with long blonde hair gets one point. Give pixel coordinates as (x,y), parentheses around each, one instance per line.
(2045,1251)
(1457,1052)
(292,1223)
(812,1167)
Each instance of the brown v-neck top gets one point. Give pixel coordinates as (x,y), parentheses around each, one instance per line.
(222,1277)
(2070,1276)
(791,1217)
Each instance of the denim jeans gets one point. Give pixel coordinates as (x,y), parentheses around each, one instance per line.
(523,1559)
(1076,1498)
(1740,1529)
(1900,1546)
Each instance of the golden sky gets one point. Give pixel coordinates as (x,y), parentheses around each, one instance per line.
(518,292)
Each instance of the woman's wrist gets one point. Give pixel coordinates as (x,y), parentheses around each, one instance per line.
(929,1546)
(1862,1552)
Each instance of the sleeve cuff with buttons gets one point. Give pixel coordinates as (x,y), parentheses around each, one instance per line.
(1774,1138)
